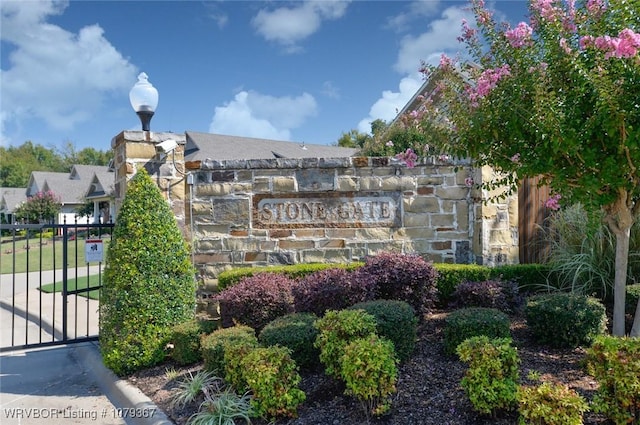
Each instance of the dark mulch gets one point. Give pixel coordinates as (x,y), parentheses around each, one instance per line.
(429,391)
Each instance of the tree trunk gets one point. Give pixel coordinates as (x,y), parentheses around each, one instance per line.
(620,217)
(620,281)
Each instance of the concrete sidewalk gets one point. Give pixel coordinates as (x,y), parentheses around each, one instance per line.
(65,384)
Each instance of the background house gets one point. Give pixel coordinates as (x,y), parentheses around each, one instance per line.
(84,183)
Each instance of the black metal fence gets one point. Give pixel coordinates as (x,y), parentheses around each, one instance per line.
(50,280)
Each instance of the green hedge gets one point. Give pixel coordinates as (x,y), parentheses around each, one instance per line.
(231,277)
(530,277)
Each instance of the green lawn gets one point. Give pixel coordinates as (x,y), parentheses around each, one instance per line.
(73,284)
(43,256)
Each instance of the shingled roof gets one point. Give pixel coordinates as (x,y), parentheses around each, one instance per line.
(202,146)
(11,197)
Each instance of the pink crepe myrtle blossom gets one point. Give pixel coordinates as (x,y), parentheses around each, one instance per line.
(487,81)
(519,36)
(596,7)
(565,46)
(468,181)
(409,157)
(626,45)
(546,10)
(515,158)
(553,203)
(389,143)
(468,33)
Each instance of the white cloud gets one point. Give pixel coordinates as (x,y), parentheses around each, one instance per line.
(251,114)
(330,90)
(441,37)
(387,107)
(53,74)
(415,10)
(287,26)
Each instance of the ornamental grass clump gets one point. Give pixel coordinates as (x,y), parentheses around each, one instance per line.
(149,281)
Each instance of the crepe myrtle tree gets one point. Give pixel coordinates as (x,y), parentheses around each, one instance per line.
(39,208)
(556,97)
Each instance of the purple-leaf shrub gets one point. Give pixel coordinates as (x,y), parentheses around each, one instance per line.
(499,294)
(256,300)
(402,277)
(331,289)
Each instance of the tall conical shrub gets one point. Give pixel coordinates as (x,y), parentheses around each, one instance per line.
(149,283)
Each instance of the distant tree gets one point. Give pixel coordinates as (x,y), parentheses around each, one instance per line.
(353,139)
(85,210)
(42,207)
(17,162)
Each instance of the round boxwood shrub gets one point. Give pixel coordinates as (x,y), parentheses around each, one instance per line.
(403,277)
(256,300)
(564,319)
(474,321)
(185,340)
(149,282)
(213,345)
(297,332)
(395,321)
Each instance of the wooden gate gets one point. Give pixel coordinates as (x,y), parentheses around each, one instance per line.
(532,214)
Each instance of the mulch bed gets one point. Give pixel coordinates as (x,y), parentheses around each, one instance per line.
(428,388)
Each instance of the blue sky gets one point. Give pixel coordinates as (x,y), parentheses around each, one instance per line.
(304,71)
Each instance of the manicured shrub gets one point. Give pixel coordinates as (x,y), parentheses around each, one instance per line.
(490,381)
(272,376)
(403,277)
(148,286)
(615,363)
(297,332)
(496,293)
(336,330)
(396,321)
(565,320)
(185,339)
(368,368)
(231,277)
(474,321)
(256,300)
(331,289)
(550,404)
(631,298)
(214,344)
(528,277)
(451,275)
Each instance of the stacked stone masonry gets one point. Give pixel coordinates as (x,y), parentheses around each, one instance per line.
(286,211)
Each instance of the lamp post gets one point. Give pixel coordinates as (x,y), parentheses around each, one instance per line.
(144,100)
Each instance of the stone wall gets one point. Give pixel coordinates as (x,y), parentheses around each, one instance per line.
(286,211)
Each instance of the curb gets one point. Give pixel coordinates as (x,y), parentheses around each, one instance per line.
(122,394)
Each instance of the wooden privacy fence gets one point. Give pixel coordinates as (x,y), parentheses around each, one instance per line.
(532,214)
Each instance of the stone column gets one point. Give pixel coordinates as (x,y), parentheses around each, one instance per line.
(134,150)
